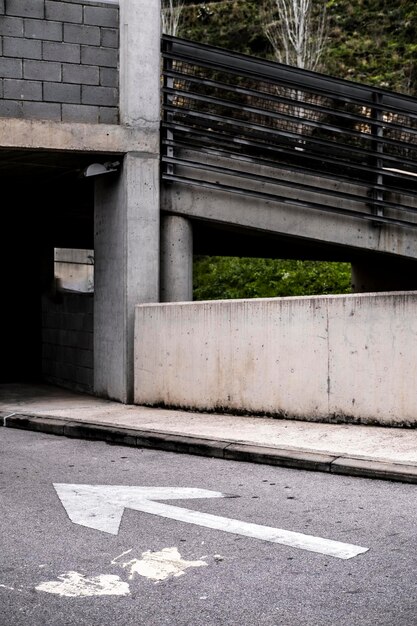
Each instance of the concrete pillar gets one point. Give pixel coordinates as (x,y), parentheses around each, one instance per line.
(176,259)
(127,207)
(126,269)
(140,68)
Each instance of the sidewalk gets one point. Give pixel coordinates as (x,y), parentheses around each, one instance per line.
(368,451)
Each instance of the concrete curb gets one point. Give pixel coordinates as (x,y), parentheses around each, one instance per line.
(222,449)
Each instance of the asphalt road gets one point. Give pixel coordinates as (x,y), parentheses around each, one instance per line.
(163,571)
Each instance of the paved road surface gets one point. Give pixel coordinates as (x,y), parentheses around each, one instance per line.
(159,571)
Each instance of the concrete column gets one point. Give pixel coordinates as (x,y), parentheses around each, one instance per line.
(140,69)
(176,259)
(126,269)
(127,207)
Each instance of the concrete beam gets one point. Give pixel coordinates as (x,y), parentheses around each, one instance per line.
(46,135)
(277,218)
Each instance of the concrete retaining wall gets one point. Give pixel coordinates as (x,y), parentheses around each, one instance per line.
(59,60)
(67,340)
(327,358)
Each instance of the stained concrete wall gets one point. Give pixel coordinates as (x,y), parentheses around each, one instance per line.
(326,358)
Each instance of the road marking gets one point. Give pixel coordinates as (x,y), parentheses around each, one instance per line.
(75,585)
(101,507)
(157,566)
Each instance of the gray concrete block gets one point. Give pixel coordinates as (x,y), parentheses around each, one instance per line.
(80,430)
(110,37)
(101,16)
(11,26)
(77,322)
(2,9)
(88,302)
(10,68)
(37,423)
(75,33)
(106,57)
(109,115)
(26,8)
(101,96)
(50,335)
(81,74)
(42,70)
(84,358)
(375,469)
(61,92)
(283,458)
(65,52)
(49,351)
(42,111)
(82,339)
(47,367)
(109,77)
(84,376)
(80,113)
(19,47)
(43,29)
(63,11)
(22,89)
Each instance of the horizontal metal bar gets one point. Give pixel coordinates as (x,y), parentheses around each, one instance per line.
(264,95)
(379,159)
(228,144)
(298,203)
(270,71)
(218,169)
(267,113)
(232,122)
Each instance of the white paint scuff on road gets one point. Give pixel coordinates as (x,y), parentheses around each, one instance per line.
(157,566)
(75,585)
(101,507)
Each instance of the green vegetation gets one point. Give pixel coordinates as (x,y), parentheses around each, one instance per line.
(230,277)
(370,41)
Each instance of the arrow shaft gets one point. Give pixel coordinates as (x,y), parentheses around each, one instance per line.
(265,533)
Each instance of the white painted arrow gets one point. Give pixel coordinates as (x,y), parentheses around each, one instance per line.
(101,507)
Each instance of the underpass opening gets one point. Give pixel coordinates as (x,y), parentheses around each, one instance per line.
(238,263)
(51,206)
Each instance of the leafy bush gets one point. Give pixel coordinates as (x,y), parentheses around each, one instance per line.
(232,277)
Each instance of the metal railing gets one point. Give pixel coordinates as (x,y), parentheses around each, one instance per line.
(243,125)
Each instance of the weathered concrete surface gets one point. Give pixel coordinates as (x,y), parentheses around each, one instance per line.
(140,33)
(46,135)
(369,451)
(287,216)
(334,358)
(127,222)
(126,268)
(176,259)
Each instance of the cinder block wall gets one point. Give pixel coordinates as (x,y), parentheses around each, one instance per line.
(59,60)
(67,340)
